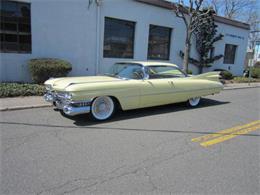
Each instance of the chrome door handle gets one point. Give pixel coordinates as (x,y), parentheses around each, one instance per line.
(171,83)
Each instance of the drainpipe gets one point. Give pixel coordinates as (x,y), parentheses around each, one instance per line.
(98,3)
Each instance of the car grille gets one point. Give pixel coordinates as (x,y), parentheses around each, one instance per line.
(80,104)
(60,100)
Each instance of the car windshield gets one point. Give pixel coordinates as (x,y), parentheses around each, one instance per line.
(126,71)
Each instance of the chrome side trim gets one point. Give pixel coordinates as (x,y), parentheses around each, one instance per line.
(181,91)
(93,82)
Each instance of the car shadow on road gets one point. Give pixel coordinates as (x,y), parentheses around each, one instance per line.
(82,120)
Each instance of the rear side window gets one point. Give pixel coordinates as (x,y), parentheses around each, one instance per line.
(157,72)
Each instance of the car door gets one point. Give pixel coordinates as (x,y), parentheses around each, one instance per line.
(166,84)
(156,92)
(184,87)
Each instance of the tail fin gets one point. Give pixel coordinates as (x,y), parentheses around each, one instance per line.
(211,76)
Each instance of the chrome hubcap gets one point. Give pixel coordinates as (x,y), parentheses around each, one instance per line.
(102,107)
(194,101)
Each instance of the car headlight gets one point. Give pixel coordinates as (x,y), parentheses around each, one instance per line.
(64,95)
(67,95)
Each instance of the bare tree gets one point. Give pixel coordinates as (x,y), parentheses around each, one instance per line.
(254,36)
(215,4)
(233,9)
(243,10)
(190,16)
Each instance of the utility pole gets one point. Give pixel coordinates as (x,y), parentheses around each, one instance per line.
(253,61)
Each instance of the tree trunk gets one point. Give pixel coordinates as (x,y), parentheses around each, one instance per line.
(186,58)
(201,63)
(200,69)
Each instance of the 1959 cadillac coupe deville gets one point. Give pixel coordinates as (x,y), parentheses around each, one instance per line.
(129,85)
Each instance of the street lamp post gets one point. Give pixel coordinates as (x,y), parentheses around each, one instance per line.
(253,61)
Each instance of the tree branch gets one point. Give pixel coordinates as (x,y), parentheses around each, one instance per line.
(181,15)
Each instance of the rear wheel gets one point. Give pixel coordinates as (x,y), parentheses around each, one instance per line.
(102,108)
(192,102)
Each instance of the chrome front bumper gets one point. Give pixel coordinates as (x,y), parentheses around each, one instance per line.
(70,108)
(72,111)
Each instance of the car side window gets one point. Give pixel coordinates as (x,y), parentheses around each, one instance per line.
(160,72)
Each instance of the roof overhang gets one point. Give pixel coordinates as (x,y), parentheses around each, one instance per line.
(171,6)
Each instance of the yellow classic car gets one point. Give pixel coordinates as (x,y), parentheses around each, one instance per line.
(129,85)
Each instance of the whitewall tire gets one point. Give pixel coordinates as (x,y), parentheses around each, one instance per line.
(192,102)
(102,108)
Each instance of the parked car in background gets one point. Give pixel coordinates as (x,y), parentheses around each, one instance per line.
(129,85)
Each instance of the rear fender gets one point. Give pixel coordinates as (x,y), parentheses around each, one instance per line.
(211,76)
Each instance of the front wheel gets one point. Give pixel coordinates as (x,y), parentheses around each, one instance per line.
(192,102)
(102,108)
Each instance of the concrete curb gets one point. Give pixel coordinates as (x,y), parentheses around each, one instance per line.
(233,88)
(49,105)
(24,107)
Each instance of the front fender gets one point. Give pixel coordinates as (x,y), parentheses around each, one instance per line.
(128,94)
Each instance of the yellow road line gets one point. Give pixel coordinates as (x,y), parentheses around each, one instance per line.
(224,132)
(230,136)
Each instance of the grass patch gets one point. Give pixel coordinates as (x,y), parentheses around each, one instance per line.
(245,80)
(242,80)
(17,89)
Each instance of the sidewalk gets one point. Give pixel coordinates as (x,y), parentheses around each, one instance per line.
(19,103)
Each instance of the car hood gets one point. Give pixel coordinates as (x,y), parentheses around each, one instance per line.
(60,84)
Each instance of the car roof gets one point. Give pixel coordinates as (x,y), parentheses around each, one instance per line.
(150,63)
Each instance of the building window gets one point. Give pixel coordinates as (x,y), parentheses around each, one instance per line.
(159,42)
(118,38)
(15,28)
(230,54)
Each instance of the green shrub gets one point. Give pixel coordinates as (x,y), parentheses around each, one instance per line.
(16,89)
(44,68)
(189,72)
(255,72)
(226,75)
(257,64)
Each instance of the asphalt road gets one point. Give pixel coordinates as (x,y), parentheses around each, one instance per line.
(139,151)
